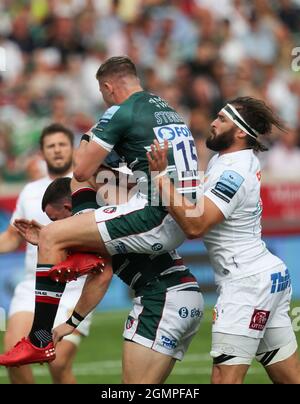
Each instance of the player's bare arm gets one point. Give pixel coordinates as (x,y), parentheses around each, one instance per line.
(93,292)
(87,158)
(10,240)
(195,219)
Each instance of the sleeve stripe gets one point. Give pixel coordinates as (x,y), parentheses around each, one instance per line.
(218,194)
(101,143)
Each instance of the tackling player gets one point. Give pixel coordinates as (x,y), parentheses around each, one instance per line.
(251,315)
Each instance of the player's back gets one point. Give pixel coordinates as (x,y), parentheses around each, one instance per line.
(151,118)
(131,127)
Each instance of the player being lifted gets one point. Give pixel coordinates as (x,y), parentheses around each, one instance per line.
(134,117)
(167,308)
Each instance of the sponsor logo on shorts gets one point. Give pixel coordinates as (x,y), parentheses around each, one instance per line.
(129,323)
(280,281)
(157,247)
(259,319)
(183,312)
(120,248)
(168,342)
(111,209)
(196,313)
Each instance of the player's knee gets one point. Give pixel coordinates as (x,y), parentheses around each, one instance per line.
(140,379)
(107,274)
(60,366)
(125,379)
(226,375)
(216,375)
(292,377)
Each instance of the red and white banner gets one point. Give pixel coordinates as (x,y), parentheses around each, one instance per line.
(281,208)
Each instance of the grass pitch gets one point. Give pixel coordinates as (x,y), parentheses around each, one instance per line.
(99,358)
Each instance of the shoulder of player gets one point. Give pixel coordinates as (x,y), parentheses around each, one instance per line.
(111,114)
(233,168)
(244,164)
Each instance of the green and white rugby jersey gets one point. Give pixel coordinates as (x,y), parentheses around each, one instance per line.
(138,269)
(131,127)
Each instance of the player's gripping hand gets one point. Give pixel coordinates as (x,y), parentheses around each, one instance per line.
(157,158)
(61,331)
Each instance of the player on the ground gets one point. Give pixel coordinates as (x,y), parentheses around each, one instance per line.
(56,145)
(128,127)
(167,307)
(251,315)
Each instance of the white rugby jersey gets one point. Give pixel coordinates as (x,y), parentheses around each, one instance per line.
(235,247)
(29,206)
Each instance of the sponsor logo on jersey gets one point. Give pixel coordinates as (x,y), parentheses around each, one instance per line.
(259,319)
(183,312)
(280,281)
(157,247)
(172,132)
(228,185)
(109,113)
(111,209)
(104,120)
(168,342)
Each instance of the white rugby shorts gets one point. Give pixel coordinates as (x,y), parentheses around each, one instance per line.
(166,322)
(136,227)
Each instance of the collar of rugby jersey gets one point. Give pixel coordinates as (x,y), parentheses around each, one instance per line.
(230,158)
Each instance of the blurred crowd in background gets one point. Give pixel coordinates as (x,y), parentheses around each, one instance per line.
(197,54)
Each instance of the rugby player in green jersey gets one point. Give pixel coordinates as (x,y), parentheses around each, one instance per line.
(142,225)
